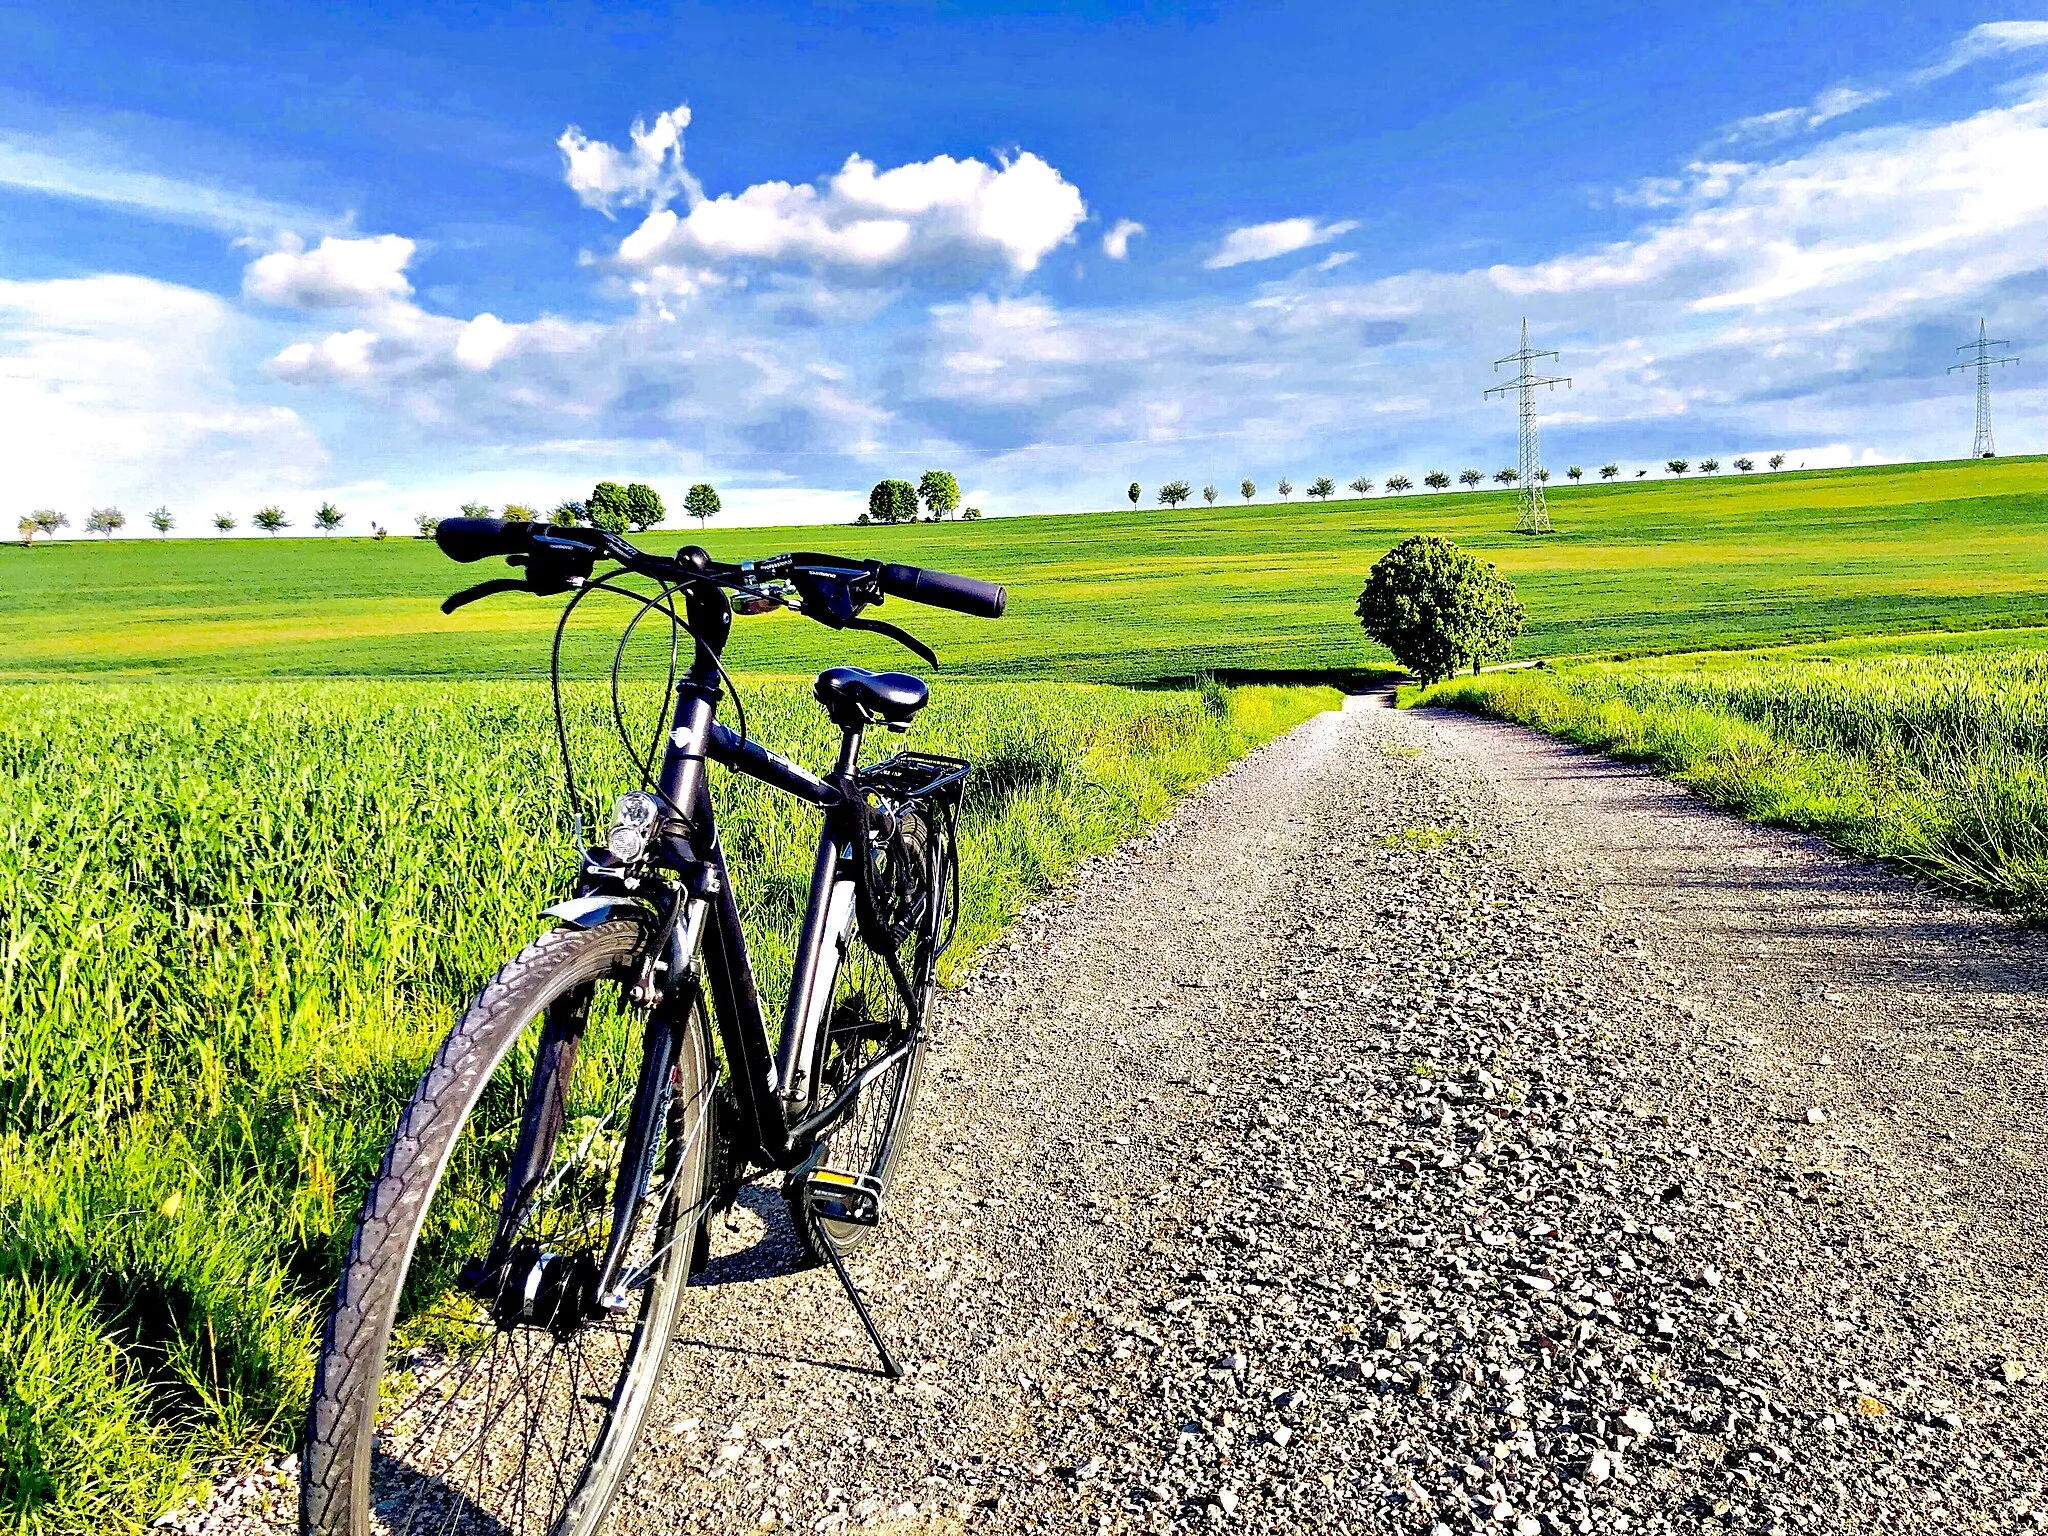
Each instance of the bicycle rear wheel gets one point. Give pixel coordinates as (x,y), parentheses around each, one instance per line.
(869,1019)
(469,1379)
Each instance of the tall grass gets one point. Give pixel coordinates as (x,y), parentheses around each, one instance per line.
(1937,762)
(234,922)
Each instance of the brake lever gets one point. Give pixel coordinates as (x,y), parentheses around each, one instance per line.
(909,642)
(480,591)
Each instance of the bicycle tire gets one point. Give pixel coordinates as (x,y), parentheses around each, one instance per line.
(354,1475)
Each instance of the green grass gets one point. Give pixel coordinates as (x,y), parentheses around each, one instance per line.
(1131,597)
(1931,755)
(236,918)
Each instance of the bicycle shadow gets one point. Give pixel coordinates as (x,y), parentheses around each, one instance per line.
(425,1502)
(754,1242)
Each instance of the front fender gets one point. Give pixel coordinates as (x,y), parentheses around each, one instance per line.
(590,911)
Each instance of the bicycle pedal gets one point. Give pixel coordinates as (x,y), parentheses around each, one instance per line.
(854,1198)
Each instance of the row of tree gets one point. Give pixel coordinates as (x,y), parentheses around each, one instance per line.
(1174,492)
(897,501)
(613,507)
(109,521)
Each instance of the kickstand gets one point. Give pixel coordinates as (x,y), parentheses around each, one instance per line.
(890,1368)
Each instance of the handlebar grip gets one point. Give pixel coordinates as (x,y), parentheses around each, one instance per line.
(942,589)
(478,538)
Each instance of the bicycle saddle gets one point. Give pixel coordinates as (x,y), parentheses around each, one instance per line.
(852,696)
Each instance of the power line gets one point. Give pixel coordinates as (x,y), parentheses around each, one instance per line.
(1982,447)
(1535,516)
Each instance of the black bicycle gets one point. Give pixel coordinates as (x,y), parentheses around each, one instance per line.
(497,1336)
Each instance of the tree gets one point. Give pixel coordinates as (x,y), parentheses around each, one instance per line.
(1247,489)
(1709,466)
(328,518)
(1284,489)
(478,509)
(1135,492)
(1438,608)
(643,507)
(1322,488)
(1209,494)
(1543,477)
(1470,476)
(515,512)
(1437,480)
(27,529)
(607,507)
(1174,492)
(107,520)
(939,492)
(893,501)
(567,514)
(1576,474)
(162,521)
(1745,465)
(1507,476)
(1777,459)
(971,515)
(271,519)
(1609,471)
(701,502)
(427,525)
(224,523)
(1678,466)
(1362,486)
(1398,484)
(1640,473)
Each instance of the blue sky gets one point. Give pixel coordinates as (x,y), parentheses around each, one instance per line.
(282,254)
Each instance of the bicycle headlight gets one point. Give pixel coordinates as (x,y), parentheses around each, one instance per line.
(633,822)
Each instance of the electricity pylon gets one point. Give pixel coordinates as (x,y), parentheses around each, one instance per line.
(1535,516)
(1983,362)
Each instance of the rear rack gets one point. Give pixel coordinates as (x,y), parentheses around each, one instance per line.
(915,776)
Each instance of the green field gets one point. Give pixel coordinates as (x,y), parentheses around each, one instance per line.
(1132,597)
(1928,752)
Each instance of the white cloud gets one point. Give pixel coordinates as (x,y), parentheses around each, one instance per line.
(336,274)
(864,219)
(483,341)
(650,174)
(1985,41)
(1116,244)
(85,171)
(1262,242)
(119,390)
(1836,101)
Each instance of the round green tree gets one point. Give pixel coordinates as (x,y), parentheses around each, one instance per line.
(608,508)
(893,501)
(1438,608)
(939,491)
(643,507)
(701,502)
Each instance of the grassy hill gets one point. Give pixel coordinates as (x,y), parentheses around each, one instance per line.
(1124,596)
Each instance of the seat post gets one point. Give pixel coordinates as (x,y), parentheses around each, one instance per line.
(849,749)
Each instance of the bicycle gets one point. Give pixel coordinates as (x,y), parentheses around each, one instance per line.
(496,1338)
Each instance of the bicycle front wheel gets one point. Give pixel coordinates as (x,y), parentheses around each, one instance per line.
(470,1379)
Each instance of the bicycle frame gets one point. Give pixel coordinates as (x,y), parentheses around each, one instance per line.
(774,1095)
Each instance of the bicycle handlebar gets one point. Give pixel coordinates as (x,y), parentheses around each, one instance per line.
(469,539)
(942,589)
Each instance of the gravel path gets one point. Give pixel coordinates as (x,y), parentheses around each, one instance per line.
(1430,1128)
